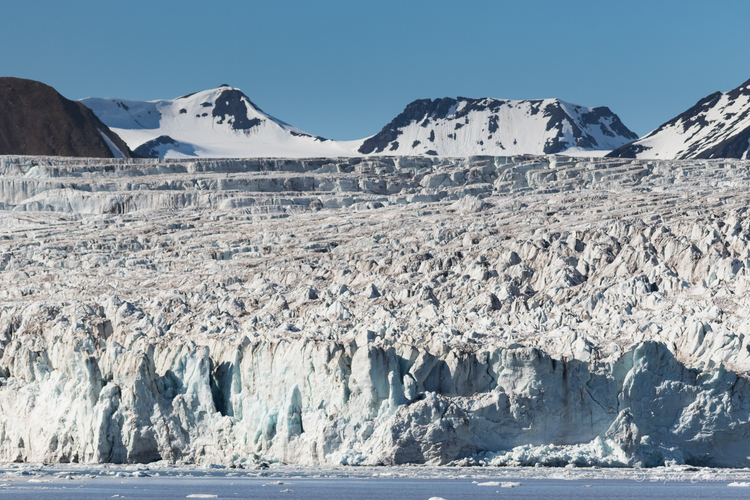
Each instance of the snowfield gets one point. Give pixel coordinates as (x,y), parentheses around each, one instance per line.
(361,311)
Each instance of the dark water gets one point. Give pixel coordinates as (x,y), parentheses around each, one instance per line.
(365,489)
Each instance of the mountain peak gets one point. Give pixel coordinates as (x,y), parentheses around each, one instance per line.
(231,105)
(466,126)
(219,122)
(717,126)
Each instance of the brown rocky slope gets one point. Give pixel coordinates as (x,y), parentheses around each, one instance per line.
(36,120)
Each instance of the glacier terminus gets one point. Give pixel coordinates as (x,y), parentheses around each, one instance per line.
(486,310)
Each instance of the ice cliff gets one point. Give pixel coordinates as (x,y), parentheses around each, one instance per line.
(507,310)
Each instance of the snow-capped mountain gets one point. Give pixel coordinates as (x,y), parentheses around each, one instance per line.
(220,122)
(466,127)
(718,126)
(223,122)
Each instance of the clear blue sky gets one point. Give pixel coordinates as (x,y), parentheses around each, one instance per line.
(343,69)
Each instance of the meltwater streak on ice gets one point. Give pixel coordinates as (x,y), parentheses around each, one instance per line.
(485,310)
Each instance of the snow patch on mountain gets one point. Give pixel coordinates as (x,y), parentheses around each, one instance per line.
(466,127)
(718,126)
(116,153)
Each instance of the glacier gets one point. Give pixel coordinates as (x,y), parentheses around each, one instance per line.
(375,311)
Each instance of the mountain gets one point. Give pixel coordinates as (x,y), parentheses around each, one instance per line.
(718,126)
(466,127)
(224,122)
(221,122)
(36,120)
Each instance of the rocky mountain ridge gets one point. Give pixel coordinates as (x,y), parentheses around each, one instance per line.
(467,127)
(718,126)
(223,123)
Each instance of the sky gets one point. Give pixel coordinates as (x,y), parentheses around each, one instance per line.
(344,69)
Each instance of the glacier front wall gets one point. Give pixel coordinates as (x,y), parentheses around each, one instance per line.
(81,381)
(74,393)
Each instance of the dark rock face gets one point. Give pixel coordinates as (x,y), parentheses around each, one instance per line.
(426,111)
(716,142)
(631,150)
(231,105)
(36,120)
(148,149)
(558,117)
(734,147)
(743,89)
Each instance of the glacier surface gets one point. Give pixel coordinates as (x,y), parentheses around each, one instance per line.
(363,311)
